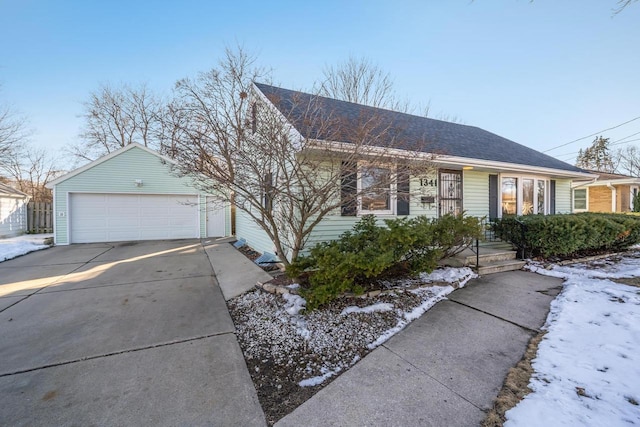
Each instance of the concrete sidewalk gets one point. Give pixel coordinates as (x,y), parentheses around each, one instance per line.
(236,274)
(444,369)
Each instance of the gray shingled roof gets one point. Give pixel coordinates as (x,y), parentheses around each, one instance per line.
(409,131)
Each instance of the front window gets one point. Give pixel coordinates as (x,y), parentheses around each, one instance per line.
(542,196)
(524,195)
(509,196)
(375,190)
(580,199)
(527,197)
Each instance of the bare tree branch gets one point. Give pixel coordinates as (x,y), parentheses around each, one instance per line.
(116,117)
(236,144)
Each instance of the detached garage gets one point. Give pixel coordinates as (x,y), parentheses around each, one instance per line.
(131,194)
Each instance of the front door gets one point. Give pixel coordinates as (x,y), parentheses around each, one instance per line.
(450,200)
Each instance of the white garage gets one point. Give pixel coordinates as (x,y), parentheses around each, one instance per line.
(132,194)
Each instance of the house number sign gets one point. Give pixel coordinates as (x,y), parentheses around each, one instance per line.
(428,182)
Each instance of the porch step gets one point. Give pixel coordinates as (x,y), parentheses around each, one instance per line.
(500,266)
(490,256)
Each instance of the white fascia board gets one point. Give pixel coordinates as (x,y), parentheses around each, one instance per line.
(609,182)
(104,158)
(463,161)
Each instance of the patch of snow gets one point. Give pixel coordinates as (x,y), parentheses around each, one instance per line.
(379,307)
(449,275)
(293,286)
(294,303)
(21,245)
(310,382)
(587,369)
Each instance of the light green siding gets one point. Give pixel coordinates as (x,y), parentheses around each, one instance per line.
(332,226)
(475,193)
(563,196)
(255,236)
(118,174)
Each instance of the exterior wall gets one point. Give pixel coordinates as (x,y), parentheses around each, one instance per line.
(117,175)
(255,236)
(13,216)
(600,199)
(475,193)
(623,198)
(564,196)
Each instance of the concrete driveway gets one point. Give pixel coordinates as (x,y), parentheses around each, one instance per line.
(119,334)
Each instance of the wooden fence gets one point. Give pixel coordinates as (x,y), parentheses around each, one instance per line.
(39,217)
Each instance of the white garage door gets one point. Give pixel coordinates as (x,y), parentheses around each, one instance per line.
(117,217)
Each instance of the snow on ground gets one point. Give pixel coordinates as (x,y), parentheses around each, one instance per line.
(313,347)
(16,246)
(587,370)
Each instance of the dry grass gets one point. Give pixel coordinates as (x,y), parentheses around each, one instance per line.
(515,387)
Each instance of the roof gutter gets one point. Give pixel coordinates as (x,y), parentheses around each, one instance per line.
(455,160)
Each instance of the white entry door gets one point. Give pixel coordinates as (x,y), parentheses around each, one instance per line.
(215,218)
(118,217)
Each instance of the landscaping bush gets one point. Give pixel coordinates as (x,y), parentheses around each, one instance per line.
(370,251)
(564,235)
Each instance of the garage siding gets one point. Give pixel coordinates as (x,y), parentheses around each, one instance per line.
(117,175)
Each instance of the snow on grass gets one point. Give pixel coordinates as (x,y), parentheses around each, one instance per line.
(310,348)
(587,370)
(14,247)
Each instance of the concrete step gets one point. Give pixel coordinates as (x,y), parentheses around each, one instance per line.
(487,257)
(500,266)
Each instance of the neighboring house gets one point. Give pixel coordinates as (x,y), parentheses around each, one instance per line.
(474,171)
(609,192)
(13,211)
(132,194)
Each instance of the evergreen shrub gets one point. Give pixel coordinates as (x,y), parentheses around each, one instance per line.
(370,252)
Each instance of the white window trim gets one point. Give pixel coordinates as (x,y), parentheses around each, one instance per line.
(573,199)
(520,192)
(392,190)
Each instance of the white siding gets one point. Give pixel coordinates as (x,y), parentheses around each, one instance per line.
(13,216)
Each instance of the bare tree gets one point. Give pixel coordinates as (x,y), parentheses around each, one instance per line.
(13,134)
(361,81)
(116,117)
(629,160)
(622,4)
(235,143)
(31,170)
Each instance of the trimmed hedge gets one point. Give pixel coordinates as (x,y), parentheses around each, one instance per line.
(570,234)
(369,252)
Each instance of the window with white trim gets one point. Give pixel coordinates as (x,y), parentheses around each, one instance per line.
(580,201)
(376,189)
(524,195)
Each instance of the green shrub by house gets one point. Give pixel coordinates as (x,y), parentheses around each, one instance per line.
(563,235)
(370,251)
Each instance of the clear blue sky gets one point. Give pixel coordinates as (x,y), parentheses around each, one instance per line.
(541,73)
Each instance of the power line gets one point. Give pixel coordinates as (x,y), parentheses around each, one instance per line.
(593,134)
(616,142)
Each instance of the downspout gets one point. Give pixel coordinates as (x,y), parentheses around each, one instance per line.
(613,197)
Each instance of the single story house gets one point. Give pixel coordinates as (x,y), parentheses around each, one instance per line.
(475,171)
(132,194)
(608,192)
(13,211)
